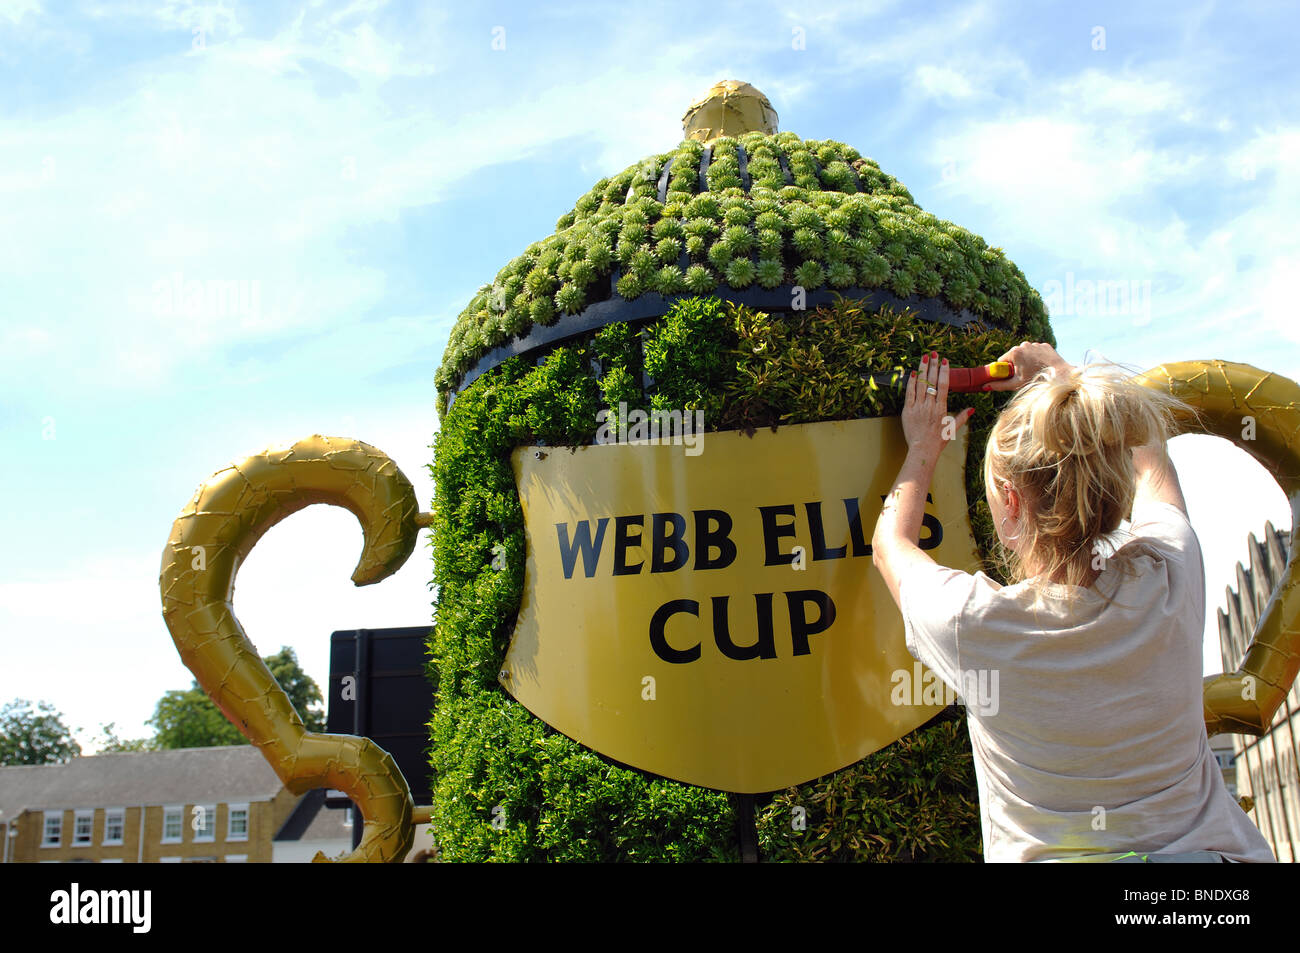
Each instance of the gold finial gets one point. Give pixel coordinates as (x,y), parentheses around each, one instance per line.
(729,108)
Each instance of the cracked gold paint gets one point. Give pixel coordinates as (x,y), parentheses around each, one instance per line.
(729,108)
(1225,394)
(214,533)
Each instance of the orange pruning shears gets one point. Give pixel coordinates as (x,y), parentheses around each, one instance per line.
(961,380)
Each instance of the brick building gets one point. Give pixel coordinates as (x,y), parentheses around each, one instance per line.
(192,805)
(1267,767)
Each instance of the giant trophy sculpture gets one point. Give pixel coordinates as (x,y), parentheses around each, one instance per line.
(665,431)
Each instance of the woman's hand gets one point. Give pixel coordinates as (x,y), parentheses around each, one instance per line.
(1028,359)
(927,425)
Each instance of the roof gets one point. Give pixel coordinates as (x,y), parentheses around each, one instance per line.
(228,773)
(311,820)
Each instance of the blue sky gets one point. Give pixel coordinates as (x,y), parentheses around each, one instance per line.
(361,169)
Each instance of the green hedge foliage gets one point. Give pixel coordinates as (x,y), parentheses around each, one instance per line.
(842,223)
(556,800)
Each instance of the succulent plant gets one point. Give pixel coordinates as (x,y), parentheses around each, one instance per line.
(839,274)
(738,239)
(809,275)
(582,273)
(669,280)
(807,243)
(542,311)
(631,285)
(669,227)
(668,250)
(874,272)
(902,283)
(704,205)
(702,227)
(699,280)
(740,273)
(929,283)
(643,261)
(570,298)
(769,272)
(768,242)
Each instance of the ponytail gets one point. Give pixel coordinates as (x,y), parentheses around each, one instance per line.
(1065,441)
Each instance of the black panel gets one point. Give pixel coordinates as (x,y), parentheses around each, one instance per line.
(393,698)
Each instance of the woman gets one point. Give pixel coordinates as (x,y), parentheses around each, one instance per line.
(1095,748)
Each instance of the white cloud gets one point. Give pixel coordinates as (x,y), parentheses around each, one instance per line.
(15,10)
(966,38)
(942,83)
(196,169)
(1063,171)
(1093,173)
(1097,92)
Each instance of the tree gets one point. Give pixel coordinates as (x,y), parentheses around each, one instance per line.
(112,743)
(34,735)
(299,686)
(189,719)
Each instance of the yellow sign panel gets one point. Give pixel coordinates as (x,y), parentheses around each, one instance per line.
(707,610)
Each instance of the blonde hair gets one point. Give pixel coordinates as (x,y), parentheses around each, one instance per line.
(1064,442)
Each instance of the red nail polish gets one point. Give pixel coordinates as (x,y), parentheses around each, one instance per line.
(945,360)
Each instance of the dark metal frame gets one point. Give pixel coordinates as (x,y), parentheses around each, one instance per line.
(652,304)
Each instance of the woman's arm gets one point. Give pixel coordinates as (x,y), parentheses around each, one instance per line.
(894,544)
(1157,480)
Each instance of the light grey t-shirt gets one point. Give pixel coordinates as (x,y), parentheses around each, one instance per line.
(1091,741)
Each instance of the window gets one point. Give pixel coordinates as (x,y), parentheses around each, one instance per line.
(237,825)
(203,818)
(114,825)
(236,858)
(173,818)
(83,827)
(169,860)
(112,860)
(53,829)
(199,860)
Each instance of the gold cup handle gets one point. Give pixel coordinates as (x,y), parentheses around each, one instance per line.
(1260,413)
(214,533)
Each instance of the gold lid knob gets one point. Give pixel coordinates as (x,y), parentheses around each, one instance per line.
(729,108)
